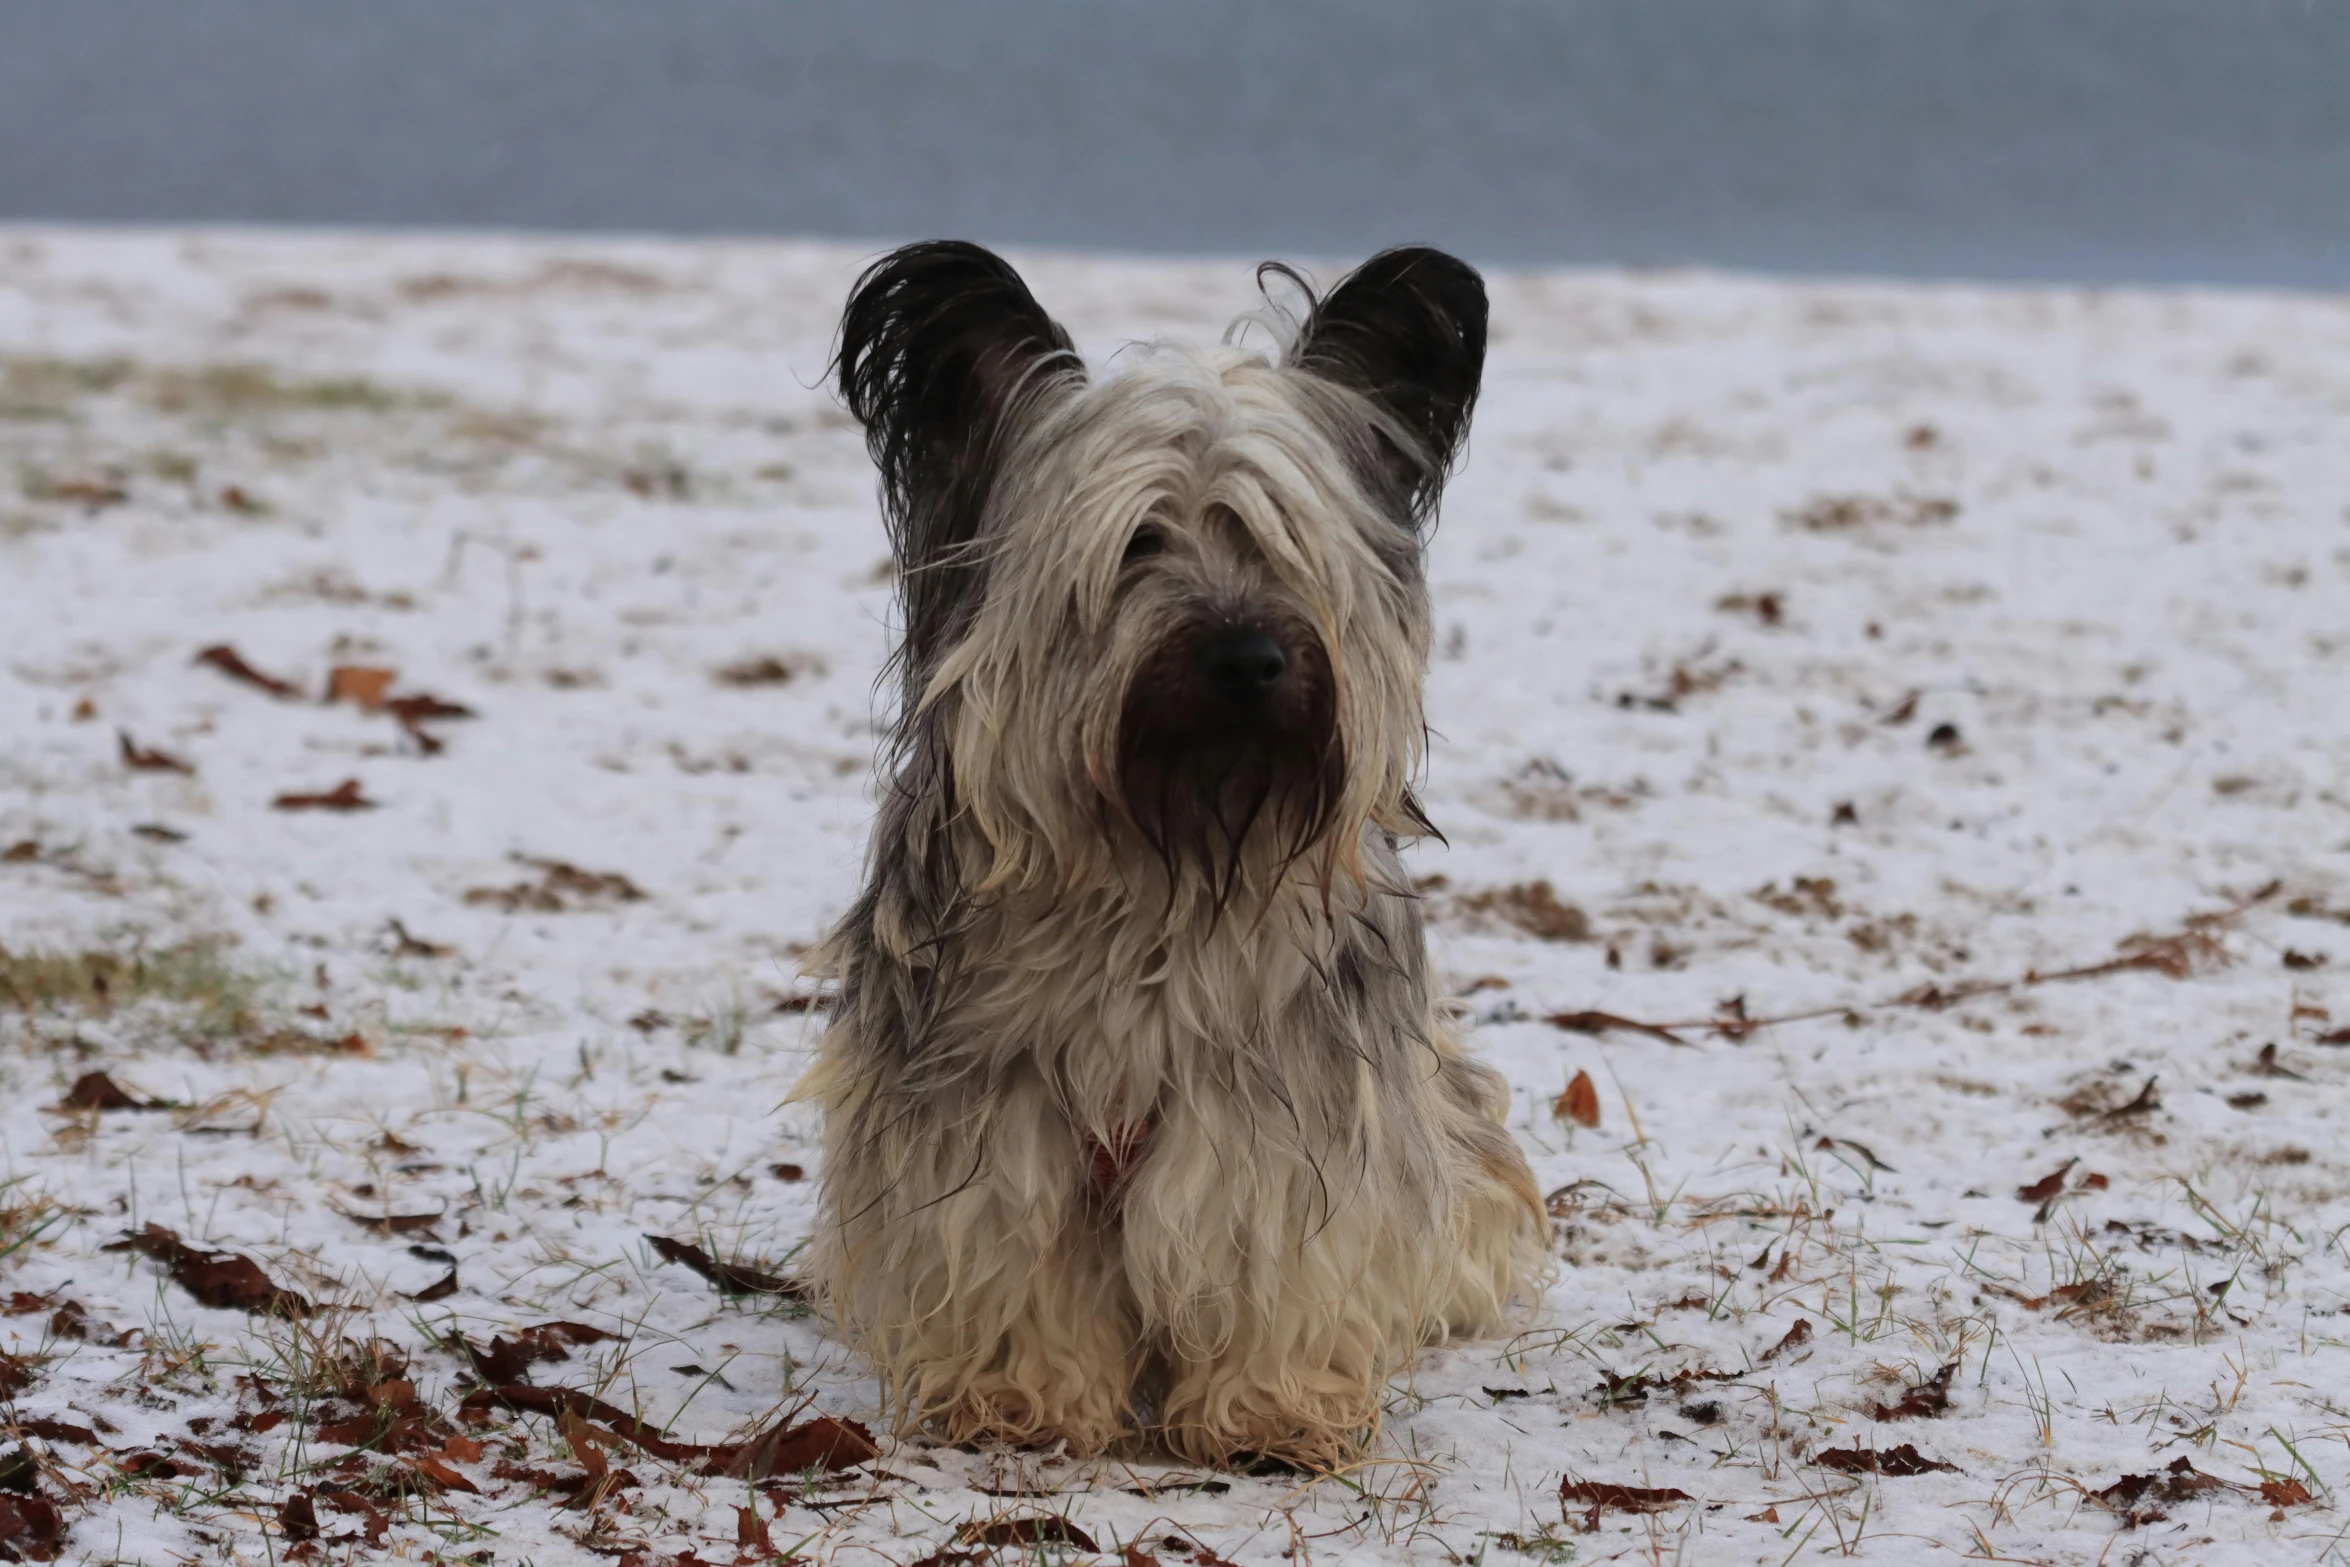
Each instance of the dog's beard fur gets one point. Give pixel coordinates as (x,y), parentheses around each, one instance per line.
(1199,776)
(1137,1093)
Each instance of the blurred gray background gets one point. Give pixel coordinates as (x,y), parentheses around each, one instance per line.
(2090,140)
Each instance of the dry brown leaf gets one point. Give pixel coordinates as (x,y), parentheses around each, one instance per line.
(97,1091)
(2047,1186)
(360,684)
(1580,1102)
(1532,907)
(231,663)
(1894,1462)
(441,1289)
(30,1528)
(1609,1022)
(1044,1529)
(731,1278)
(1924,1400)
(217,1278)
(344,796)
(140,759)
(1599,1494)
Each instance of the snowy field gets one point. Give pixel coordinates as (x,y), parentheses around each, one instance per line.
(1927,710)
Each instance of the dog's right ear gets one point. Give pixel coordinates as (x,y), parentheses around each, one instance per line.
(942,350)
(1407,330)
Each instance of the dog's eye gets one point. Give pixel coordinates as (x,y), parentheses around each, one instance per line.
(1148,540)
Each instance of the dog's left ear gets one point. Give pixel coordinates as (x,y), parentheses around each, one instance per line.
(1407,330)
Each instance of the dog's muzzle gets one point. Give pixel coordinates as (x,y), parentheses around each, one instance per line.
(1230,730)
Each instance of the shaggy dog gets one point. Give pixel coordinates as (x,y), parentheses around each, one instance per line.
(1142,1115)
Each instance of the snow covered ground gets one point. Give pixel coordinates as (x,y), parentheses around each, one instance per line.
(1962,674)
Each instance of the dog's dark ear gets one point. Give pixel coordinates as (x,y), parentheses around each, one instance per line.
(942,349)
(1407,330)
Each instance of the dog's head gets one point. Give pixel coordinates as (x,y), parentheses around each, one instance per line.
(1178,610)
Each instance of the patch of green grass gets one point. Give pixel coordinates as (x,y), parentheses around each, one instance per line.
(53,389)
(191,976)
(48,389)
(25,1216)
(240,389)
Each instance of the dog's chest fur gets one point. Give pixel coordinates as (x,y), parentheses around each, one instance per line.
(1122,1016)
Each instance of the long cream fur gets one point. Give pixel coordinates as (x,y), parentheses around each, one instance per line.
(1107,1152)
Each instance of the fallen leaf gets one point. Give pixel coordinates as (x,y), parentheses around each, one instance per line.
(408,946)
(750,1531)
(97,1091)
(731,1278)
(1895,1462)
(441,1290)
(1604,1022)
(2181,1482)
(765,670)
(561,889)
(1580,1102)
(344,796)
(442,1475)
(141,760)
(806,1001)
(1023,1532)
(217,1278)
(359,684)
(1532,907)
(96,494)
(57,1431)
(229,662)
(15,1375)
(787,1172)
(508,1360)
(1797,1336)
(1767,1515)
(821,1443)
(30,1528)
(1924,1400)
(1599,1494)
(2048,1185)
(2284,1493)
(298,1516)
(419,707)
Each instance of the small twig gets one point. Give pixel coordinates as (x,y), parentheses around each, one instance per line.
(2171,955)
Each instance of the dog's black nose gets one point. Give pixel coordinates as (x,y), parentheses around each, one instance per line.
(1244,665)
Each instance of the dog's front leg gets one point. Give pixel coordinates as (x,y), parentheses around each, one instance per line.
(965,1255)
(1281,1286)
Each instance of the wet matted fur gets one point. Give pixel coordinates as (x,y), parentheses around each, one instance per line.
(1142,1117)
